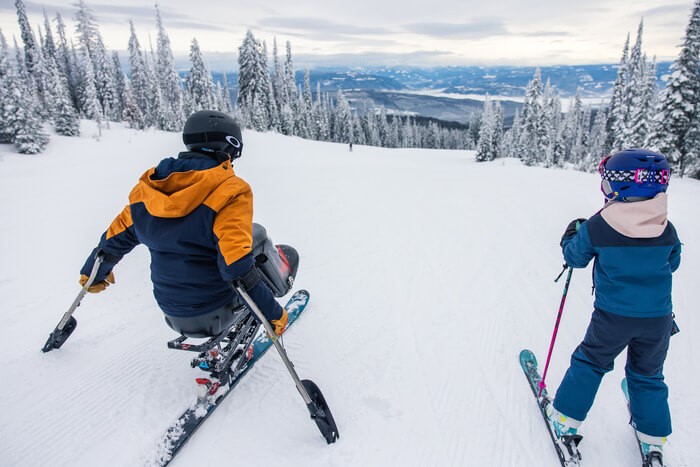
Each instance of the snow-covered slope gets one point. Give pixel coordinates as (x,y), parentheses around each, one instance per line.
(428,274)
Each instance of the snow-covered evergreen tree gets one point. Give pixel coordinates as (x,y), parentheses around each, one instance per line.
(301,122)
(617,114)
(49,45)
(29,137)
(509,146)
(596,142)
(258,115)
(487,148)
(533,137)
(67,122)
(90,39)
(61,105)
(692,145)
(104,82)
(119,84)
(552,123)
(251,89)
(227,102)
(200,84)
(139,77)
(87,94)
(65,62)
(274,123)
(280,92)
(291,87)
(344,119)
(37,77)
(9,93)
(161,116)
(632,91)
(86,28)
(131,113)
(642,114)
(678,103)
(31,48)
(169,80)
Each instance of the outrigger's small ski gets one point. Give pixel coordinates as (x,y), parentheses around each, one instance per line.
(68,322)
(247,345)
(654,459)
(567,445)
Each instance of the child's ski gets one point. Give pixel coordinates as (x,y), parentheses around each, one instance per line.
(567,445)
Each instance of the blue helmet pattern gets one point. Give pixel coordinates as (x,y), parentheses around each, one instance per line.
(634,174)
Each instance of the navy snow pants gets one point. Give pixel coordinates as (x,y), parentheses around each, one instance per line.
(608,334)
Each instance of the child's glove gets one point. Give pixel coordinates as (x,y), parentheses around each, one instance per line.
(97,287)
(571,229)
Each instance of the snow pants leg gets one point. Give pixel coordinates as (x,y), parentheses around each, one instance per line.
(608,334)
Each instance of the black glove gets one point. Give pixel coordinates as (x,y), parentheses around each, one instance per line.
(571,229)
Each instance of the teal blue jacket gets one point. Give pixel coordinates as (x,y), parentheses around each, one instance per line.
(632,275)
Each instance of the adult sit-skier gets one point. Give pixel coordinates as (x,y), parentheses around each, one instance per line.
(635,251)
(196,218)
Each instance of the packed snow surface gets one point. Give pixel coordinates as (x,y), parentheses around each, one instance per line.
(428,274)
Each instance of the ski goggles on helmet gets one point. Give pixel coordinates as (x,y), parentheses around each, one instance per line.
(633,175)
(635,182)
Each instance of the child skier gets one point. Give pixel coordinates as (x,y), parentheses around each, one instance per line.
(196,218)
(635,250)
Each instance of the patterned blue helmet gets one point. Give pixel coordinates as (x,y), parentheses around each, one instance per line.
(633,175)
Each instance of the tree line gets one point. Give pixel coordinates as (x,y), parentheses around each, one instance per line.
(638,115)
(56,80)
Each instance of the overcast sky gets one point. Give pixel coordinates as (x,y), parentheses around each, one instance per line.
(392,32)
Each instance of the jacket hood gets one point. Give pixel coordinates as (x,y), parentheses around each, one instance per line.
(640,219)
(176,187)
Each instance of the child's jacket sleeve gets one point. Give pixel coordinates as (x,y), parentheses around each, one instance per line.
(578,250)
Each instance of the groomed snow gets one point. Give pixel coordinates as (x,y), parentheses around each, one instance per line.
(428,274)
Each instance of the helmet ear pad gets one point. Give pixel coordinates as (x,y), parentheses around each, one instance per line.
(606,188)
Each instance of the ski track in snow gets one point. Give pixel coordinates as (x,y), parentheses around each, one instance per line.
(428,274)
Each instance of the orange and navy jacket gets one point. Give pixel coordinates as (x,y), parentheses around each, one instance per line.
(196,218)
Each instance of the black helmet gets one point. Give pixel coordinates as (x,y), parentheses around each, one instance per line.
(211,131)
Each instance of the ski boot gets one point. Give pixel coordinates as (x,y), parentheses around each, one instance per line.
(565,430)
(562,425)
(652,453)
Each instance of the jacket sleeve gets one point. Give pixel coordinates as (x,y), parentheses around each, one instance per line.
(116,242)
(578,250)
(233,230)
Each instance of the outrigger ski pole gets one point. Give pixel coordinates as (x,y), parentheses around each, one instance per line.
(68,323)
(315,402)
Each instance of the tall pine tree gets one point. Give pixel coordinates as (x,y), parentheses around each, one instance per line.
(169,80)
(678,105)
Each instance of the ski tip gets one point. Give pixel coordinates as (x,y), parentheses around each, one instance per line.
(301,296)
(527,357)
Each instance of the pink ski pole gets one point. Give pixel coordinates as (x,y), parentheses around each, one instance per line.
(542,384)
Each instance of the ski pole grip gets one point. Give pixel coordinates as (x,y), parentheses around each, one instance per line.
(99,259)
